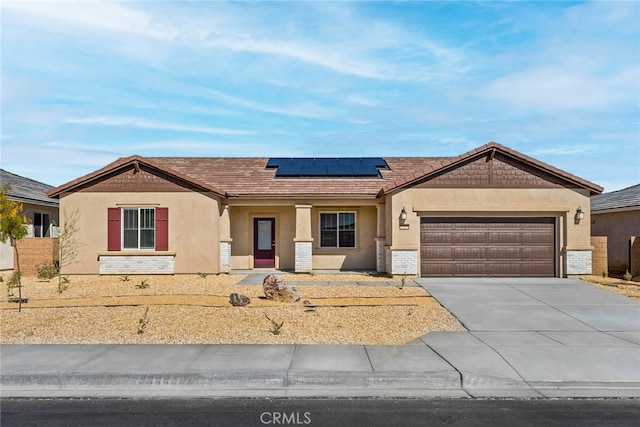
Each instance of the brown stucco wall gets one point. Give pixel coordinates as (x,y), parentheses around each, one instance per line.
(35,251)
(193,227)
(560,203)
(599,260)
(618,227)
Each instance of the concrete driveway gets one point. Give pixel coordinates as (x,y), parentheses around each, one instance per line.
(539,332)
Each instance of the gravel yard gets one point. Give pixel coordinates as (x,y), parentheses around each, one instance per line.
(629,289)
(193,309)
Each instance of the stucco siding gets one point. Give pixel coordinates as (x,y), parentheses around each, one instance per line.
(618,227)
(560,203)
(193,227)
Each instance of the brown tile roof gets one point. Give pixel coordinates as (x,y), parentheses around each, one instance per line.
(248,177)
(453,161)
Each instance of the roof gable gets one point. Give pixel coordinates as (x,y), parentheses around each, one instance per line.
(133,174)
(494,166)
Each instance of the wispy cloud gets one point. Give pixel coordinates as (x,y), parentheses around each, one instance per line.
(150,124)
(309,110)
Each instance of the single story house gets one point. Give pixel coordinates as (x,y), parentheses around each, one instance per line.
(489,212)
(617,216)
(40,210)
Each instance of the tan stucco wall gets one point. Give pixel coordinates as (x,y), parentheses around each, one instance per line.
(556,202)
(29,210)
(618,227)
(193,227)
(242,234)
(362,257)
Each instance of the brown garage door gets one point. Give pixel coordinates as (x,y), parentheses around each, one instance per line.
(487,246)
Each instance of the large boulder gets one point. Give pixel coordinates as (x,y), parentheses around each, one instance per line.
(239,300)
(276,289)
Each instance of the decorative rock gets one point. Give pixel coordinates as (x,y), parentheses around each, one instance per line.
(239,300)
(275,289)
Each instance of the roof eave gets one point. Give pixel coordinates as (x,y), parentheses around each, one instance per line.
(124,163)
(493,147)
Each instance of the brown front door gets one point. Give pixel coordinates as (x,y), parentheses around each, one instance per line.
(264,242)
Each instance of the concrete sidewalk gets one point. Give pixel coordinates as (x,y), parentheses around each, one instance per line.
(526,338)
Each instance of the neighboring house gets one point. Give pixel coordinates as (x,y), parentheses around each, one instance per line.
(490,211)
(40,210)
(617,216)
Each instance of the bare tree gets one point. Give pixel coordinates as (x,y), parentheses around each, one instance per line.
(68,244)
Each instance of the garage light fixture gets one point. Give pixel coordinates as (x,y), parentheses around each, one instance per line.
(579,214)
(403,219)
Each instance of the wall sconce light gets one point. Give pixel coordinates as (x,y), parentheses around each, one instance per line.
(579,214)
(403,219)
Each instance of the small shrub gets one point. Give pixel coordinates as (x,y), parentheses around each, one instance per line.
(124,278)
(143,321)
(143,285)
(12,283)
(627,276)
(203,275)
(46,272)
(275,326)
(605,274)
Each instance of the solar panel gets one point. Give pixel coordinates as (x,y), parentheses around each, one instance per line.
(327,166)
(289,170)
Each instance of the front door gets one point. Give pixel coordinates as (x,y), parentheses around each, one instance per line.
(264,242)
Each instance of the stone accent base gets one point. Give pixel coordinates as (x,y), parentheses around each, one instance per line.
(137,264)
(404,262)
(381,264)
(225,257)
(578,262)
(303,256)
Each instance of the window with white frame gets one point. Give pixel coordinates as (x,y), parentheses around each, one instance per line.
(338,229)
(138,228)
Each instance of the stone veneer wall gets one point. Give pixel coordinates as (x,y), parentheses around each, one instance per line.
(578,262)
(137,264)
(599,258)
(225,257)
(404,262)
(34,251)
(381,262)
(303,257)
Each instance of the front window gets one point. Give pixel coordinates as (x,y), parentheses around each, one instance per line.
(338,230)
(138,228)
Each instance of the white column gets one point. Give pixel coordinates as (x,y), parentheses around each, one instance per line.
(225,240)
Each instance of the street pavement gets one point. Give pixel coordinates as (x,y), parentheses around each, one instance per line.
(526,338)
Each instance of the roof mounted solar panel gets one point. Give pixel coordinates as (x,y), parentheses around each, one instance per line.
(289,170)
(327,166)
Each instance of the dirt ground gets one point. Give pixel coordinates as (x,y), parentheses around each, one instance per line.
(193,309)
(630,289)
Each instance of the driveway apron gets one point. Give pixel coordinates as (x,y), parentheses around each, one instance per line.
(547,330)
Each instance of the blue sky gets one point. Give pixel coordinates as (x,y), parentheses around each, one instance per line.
(85,83)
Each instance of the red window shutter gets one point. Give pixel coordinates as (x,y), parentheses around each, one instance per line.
(113,229)
(162,229)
